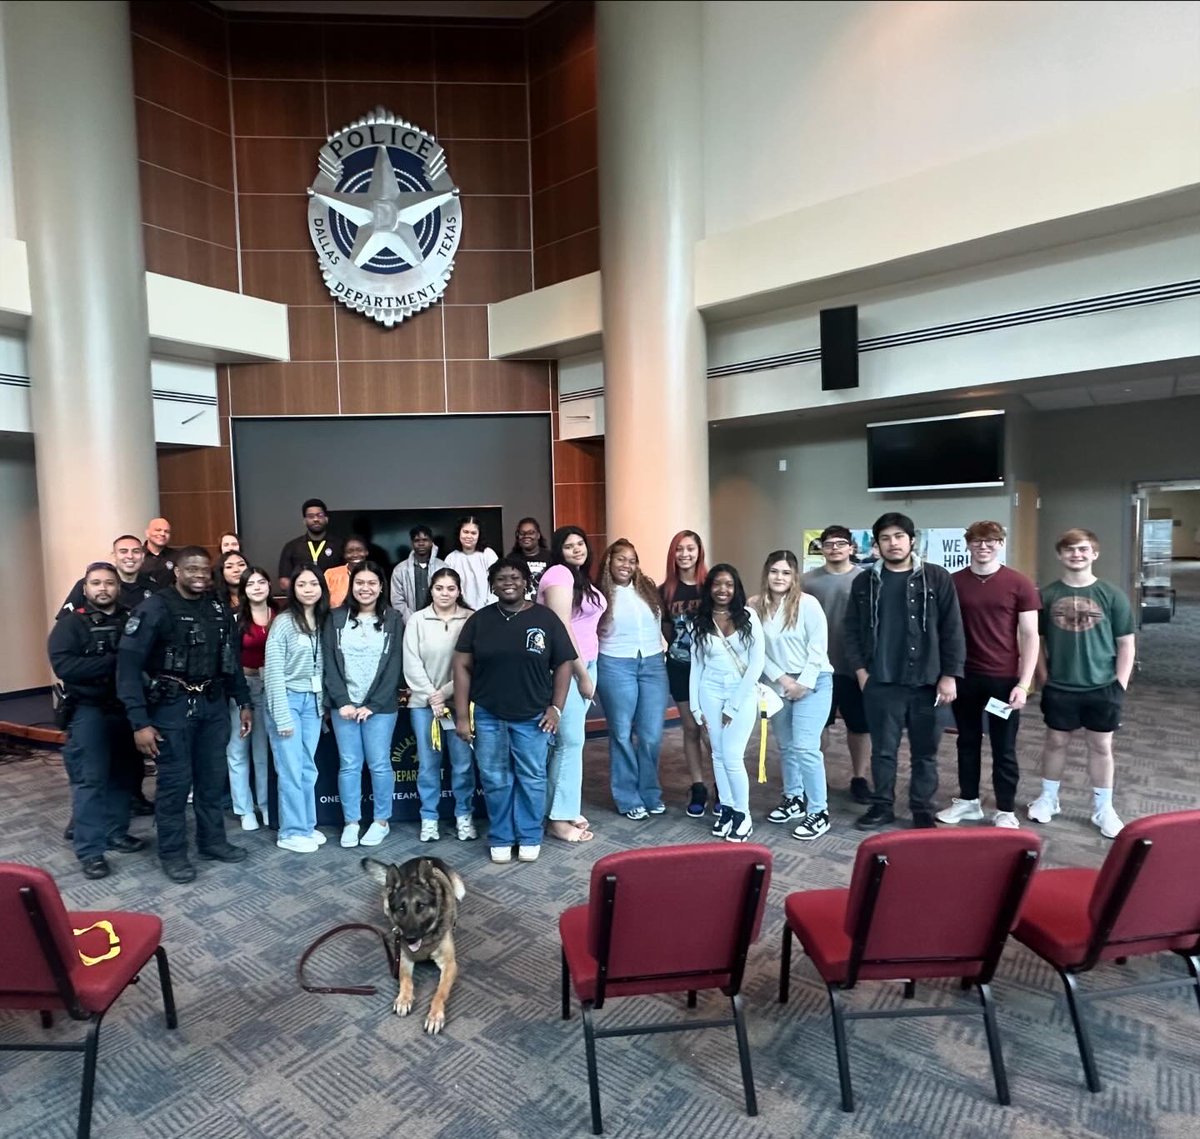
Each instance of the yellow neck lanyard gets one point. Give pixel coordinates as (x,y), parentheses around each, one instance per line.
(315,551)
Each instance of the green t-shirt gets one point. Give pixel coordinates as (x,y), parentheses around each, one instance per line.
(1081,625)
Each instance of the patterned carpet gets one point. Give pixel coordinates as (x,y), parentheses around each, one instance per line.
(255,1057)
(1169,653)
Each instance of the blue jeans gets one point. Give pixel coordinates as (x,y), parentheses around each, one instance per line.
(634,691)
(239,751)
(798,726)
(369,742)
(512,770)
(429,770)
(565,772)
(296,766)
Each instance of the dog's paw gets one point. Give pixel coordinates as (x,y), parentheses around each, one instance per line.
(403,1005)
(435,1021)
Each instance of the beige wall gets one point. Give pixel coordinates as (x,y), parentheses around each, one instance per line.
(1183,506)
(23,662)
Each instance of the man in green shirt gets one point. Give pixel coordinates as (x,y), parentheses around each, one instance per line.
(1087,658)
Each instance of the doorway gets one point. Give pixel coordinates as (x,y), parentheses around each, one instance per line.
(1166,559)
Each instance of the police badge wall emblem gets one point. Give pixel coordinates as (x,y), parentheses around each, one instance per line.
(384,217)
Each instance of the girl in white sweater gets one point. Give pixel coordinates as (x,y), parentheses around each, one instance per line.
(797,666)
(471,563)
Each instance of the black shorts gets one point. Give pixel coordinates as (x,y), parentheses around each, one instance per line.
(679,675)
(848,699)
(1096,709)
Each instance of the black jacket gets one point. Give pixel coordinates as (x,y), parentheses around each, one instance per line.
(937,636)
(83,653)
(389,675)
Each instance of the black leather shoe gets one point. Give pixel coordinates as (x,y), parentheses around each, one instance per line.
(126,844)
(226,853)
(95,867)
(878,816)
(142,806)
(179,871)
(924,821)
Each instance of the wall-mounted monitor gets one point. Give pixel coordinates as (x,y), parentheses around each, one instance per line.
(946,452)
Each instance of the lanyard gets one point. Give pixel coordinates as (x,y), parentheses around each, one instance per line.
(315,551)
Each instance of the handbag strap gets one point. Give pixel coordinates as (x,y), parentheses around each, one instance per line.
(729,649)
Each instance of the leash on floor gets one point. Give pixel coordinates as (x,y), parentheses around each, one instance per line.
(390,947)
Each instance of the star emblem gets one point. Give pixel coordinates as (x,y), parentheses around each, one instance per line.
(385,214)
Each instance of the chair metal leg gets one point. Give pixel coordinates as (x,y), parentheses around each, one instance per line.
(785,964)
(566,988)
(47,1018)
(993,1041)
(87,1091)
(1193,964)
(910,990)
(589,1044)
(1081,1034)
(839,1044)
(168,993)
(691,998)
(743,1042)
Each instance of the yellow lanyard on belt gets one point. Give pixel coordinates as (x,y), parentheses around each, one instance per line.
(762,741)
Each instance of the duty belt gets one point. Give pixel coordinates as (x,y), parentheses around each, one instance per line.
(187,686)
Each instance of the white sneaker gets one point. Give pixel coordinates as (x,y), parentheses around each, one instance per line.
(528,853)
(376,833)
(318,838)
(429,830)
(350,834)
(1044,808)
(961,811)
(501,854)
(249,822)
(1006,819)
(1109,822)
(465,828)
(298,844)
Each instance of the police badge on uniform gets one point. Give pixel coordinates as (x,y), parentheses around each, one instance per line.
(384,217)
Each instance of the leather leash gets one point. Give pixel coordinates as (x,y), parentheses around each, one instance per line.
(390,947)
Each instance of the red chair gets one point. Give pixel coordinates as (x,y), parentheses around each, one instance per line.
(642,933)
(44,965)
(920,904)
(1144,899)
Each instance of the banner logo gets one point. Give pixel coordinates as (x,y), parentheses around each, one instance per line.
(385,218)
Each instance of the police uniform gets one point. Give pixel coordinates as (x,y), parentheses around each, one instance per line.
(131,595)
(102,761)
(177,668)
(160,567)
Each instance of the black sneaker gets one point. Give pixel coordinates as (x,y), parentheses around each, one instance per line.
(699,800)
(791,809)
(878,816)
(226,853)
(722,825)
(182,871)
(860,790)
(740,827)
(812,826)
(923,821)
(126,844)
(95,867)
(716,804)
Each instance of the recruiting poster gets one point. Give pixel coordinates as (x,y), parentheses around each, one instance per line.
(813,558)
(948,548)
(861,547)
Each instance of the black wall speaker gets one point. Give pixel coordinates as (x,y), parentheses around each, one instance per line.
(839,348)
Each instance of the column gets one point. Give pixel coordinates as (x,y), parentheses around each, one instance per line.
(74,141)
(651,216)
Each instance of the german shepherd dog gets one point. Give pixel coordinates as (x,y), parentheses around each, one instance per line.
(420,899)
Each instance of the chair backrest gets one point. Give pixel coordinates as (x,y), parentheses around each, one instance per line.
(34,968)
(1147,896)
(677,910)
(934,896)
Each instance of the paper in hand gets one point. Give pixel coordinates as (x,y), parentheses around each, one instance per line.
(998,708)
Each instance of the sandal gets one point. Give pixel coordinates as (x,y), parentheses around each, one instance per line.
(573,832)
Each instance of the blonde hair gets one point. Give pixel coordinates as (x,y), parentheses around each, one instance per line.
(763,604)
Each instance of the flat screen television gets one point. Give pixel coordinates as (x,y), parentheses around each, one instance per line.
(946,452)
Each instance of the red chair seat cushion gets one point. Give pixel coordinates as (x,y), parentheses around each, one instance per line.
(97,986)
(818,919)
(583,967)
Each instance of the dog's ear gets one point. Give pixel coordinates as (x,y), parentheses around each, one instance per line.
(377,870)
(424,871)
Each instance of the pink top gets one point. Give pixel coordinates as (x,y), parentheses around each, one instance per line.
(584,620)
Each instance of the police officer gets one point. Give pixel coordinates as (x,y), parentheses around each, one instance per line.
(102,762)
(160,559)
(177,668)
(134,585)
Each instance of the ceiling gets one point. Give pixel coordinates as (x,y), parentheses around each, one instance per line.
(1113,388)
(458,9)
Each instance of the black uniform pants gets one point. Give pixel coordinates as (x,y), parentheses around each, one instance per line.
(974,690)
(104,768)
(890,709)
(191,757)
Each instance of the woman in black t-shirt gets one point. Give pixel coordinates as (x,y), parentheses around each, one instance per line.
(513,664)
(682,586)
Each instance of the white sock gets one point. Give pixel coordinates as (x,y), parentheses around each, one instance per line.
(1101,798)
(1050,788)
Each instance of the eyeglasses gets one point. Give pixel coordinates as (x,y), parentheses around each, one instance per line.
(985,541)
(529,533)
(837,544)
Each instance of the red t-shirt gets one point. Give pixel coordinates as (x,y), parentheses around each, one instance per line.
(254,646)
(989,614)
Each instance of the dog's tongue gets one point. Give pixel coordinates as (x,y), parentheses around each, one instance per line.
(413,946)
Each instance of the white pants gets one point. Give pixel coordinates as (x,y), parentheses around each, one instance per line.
(729,740)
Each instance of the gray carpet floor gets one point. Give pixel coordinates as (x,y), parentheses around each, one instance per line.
(254,1056)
